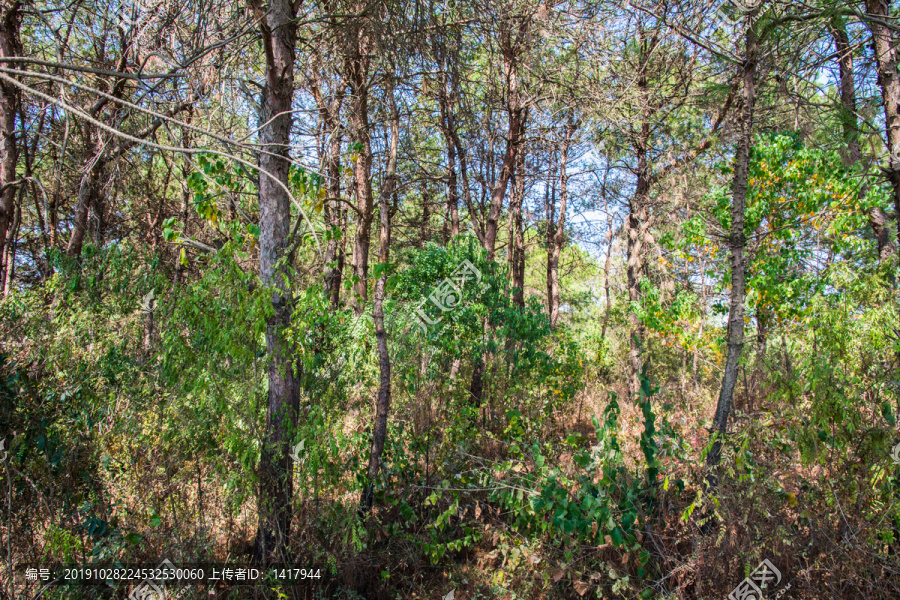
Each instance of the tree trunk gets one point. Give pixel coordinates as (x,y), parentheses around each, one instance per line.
(607,264)
(358,75)
(277,28)
(695,368)
(889,81)
(511,49)
(96,159)
(424,224)
(10,45)
(737,243)
(636,225)
(511,44)
(11,247)
(850,124)
(89,189)
(185,194)
(383,404)
(330,115)
(560,226)
(448,125)
(516,257)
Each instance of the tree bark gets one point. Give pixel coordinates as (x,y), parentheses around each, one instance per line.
(358,74)
(511,47)
(185,195)
(607,264)
(11,244)
(889,81)
(383,404)
(329,113)
(89,189)
(96,159)
(10,45)
(737,242)
(424,224)
(850,125)
(516,256)
(637,224)
(559,227)
(278,32)
(447,125)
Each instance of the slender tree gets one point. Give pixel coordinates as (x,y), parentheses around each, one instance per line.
(10,45)
(277,27)
(383,403)
(736,237)
(556,231)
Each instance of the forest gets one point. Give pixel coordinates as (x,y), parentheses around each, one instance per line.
(449,299)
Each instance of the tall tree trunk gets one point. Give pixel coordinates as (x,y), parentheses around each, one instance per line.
(89,189)
(447,125)
(736,243)
(511,47)
(11,246)
(10,45)
(550,212)
(637,223)
(850,125)
(559,227)
(358,76)
(695,368)
(185,194)
(329,113)
(889,80)
(278,32)
(477,226)
(849,122)
(426,218)
(516,257)
(607,264)
(383,404)
(96,159)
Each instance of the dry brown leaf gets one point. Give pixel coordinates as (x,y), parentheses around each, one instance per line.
(559,574)
(581,587)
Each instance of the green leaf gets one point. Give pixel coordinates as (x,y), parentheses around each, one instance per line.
(617,538)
